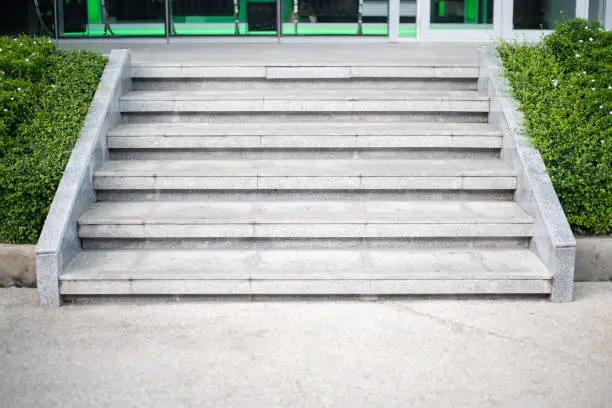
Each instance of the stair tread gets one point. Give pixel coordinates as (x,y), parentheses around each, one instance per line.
(305,168)
(304,212)
(309,95)
(435,264)
(305,129)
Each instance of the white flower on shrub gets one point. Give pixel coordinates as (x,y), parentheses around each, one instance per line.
(577,55)
(586,27)
(590,39)
(27,60)
(18,89)
(6,110)
(555,82)
(592,80)
(580,41)
(592,89)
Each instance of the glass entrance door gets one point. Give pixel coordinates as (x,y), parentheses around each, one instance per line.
(457,20)
(175,18)
(291,17)
(223,17)
(335,17)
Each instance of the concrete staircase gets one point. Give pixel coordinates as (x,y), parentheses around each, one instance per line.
(304,180)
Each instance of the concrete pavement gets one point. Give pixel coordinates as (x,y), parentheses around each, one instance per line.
(419,352)
(290,53)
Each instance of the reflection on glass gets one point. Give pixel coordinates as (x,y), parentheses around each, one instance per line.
(462,14)
(541,14)
(408,12)
(99,18)
(335,17)
(223,17)
(26,17)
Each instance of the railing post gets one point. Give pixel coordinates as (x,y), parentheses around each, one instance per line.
(360,18)
(167,23)
(236,18)
(296,14)
(58,14)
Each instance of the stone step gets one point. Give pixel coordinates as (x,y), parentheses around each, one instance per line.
(304,140)
(315,219)
(308,71)
(225,84)
(317,174)
(301,101)
(305,135)
(304,272)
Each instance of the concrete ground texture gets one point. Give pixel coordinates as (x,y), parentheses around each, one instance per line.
(410,352)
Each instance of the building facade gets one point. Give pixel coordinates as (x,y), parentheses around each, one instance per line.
(390,20)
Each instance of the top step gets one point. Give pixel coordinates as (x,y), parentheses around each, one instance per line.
(305,52)
(197,70)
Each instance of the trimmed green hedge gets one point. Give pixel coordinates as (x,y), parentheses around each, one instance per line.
(564,87)
(45,94)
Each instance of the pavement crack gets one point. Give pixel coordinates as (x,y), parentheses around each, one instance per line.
(451,322)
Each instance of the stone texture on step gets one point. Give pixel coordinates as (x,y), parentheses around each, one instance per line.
(305,135)
(306,129)
(275,219)
(302,71)
(289,117)
(222,85)
(304,101)
(304,95)
(305,174)
(306,264)
(305,272)
(310,287)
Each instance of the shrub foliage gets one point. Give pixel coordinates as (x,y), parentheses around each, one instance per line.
(45,94)
(564,87)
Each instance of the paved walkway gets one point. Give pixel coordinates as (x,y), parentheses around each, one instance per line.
(274,54)
(393,353)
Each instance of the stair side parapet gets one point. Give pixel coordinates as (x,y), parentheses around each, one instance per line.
(553,239)
(59,241)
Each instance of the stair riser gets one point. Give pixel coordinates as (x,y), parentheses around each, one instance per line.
(305,287)
(255,183)
(297,141)
(305,231)
(289,118)
(308,195)
(190,84)
(305,154)
(298,106)
(298,71)
(295,243)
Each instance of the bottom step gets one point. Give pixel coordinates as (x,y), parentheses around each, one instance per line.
(305,272)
